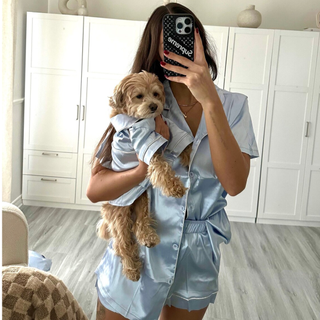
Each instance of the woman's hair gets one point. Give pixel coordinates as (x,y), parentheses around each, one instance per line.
(147,58)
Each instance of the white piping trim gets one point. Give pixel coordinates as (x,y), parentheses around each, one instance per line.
(192,298)
(150,144)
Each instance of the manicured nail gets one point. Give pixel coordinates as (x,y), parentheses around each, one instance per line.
(197,30)
(166,52)
(162,63)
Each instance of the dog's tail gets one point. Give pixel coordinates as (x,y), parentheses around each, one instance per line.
(105,154)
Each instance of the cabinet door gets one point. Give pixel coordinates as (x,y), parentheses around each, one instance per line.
(248,72)
(289,106)
(311,189)
(109,49)
(218,37)
(53,81)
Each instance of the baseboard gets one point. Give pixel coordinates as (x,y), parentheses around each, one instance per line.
(241,219)
(18,201)
(297,223)
(93,207)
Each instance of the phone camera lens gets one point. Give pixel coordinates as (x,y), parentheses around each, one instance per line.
(187,21)
(179,25)
(187,30)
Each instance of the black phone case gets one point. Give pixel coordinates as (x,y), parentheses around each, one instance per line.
(174,42)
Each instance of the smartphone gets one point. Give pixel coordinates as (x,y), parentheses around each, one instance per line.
(178,37)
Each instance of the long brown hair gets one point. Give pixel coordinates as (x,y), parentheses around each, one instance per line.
(147,58)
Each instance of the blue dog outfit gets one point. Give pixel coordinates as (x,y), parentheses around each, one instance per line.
(182,270)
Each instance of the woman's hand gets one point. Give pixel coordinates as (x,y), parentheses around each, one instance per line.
(198,78)
(162,127)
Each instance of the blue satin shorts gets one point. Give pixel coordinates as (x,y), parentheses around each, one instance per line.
(195,286)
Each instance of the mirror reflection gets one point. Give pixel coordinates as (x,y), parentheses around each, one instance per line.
(157,165)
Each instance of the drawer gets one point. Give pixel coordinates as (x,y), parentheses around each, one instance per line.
(44,188)
(47,163)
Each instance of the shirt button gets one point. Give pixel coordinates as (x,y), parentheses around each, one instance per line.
(191,174)
(175,246)
(182,208)
(170,281)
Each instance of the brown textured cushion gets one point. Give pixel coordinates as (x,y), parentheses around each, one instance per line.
(29,293)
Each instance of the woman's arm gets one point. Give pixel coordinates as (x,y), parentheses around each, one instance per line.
(105,184)
(230,164)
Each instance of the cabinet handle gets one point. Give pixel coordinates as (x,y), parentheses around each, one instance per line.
(83,109)
(50,154)
(307,129)
(52,180)
(78,109)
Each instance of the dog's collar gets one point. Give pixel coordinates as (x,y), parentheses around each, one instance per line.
(122,121)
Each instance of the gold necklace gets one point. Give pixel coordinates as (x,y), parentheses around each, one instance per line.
(185,113)
(187,105)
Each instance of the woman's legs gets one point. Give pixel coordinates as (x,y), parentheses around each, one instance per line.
(168,313)
(173,313)
(105,314)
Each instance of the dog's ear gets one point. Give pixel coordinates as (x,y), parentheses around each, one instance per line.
(117,101)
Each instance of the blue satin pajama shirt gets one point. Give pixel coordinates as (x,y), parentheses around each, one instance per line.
(182,270)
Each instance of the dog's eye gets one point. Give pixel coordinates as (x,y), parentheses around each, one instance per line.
(156,94)
(139,96)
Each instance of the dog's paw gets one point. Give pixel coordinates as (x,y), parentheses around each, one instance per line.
(150,240)
(174,189)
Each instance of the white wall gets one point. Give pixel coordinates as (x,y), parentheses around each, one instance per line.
(276,14)
(22,6)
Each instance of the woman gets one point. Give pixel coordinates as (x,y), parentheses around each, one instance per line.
(180,275)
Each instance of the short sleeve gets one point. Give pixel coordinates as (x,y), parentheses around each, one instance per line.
(145,140)
(129,197)
(179,139)
(242,129)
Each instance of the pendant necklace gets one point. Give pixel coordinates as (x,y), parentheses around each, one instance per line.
(186,105)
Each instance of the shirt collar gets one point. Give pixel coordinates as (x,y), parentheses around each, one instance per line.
(169,102)
(122,121)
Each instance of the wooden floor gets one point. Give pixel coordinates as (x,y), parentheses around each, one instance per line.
(267,271)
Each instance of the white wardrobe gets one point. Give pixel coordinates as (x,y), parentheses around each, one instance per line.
(73,64)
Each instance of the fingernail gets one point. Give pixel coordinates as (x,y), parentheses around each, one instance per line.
(162,63)
(166,52)
(197,30)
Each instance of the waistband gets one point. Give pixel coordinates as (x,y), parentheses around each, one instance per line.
(194,226)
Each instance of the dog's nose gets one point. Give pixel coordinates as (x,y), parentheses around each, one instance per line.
(153,107)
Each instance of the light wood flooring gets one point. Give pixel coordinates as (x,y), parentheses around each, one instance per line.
(268,272)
